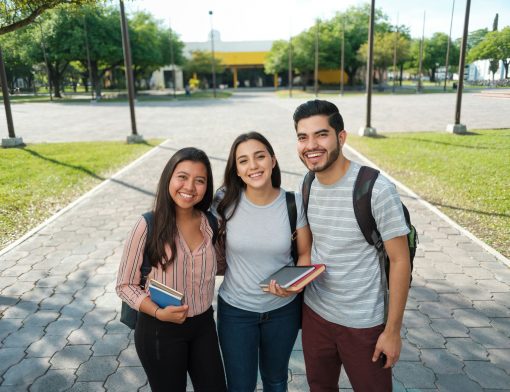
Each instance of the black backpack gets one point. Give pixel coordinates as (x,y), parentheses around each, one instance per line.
(128,315)
(361,198)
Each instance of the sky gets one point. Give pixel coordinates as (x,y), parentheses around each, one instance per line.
(258,20)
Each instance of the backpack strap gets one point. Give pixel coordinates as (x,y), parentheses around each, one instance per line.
(146,264)
(213,222)
(290,198)
(305,189)
(362,200)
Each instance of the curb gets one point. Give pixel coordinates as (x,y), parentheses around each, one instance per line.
(433,209)
(77,201)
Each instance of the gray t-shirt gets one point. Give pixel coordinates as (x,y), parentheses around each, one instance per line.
(258,244)
(349,293)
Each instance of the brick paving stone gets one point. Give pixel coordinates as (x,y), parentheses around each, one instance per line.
(77,309)
(415,318)
(409,352)
(502,325)
(449,328)
(425,337)
(440,286)
(41,317)
(502,298)
(87,387)
(70,357)
(97,316)
(23,336)
(26,371)
(97,368)
(56,301)
(471,318)
(126,378)
(129,357)
(20,311)
(423,294)
(17,289)
(435,310)
(492,309)
(455,301)
(441,361)
(487,375)
(489,337)
(54,380)
(467,349)
(32,276)
(63,326)
(493,286)
(456,383)
(87,334)
(414,375)
(500,358)
(10,356)
(110,345)
(47,346)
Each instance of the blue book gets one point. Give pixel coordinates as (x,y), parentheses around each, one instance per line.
(163,295)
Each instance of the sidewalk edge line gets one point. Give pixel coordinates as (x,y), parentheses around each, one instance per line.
(42,225)
(434,209)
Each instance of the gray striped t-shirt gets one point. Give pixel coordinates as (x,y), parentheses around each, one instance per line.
(349,293)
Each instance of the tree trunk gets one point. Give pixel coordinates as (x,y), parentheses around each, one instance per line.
(96,80)
(401,74)
(505,64)
(433,74)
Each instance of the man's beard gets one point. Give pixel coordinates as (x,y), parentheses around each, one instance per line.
(332,157)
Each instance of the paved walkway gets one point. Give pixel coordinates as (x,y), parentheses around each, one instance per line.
(60,331)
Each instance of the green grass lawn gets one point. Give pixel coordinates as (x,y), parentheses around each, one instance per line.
(465,176)
(112,97)
(38,180)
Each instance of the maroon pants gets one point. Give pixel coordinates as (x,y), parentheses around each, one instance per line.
(327,346)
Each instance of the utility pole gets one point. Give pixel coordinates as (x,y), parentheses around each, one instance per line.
(448,49)
(395,57)
(172,58)
(134,137)
(342,58)
(43,46)
(368,130)
(213,59)
(458,127)
(290,67)
(422,44)
(316,73)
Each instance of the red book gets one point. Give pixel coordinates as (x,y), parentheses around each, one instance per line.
(305,279)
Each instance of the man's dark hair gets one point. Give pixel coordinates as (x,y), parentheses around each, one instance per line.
(319,107)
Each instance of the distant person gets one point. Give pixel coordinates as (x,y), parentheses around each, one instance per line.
(176,340)
(344,309)
(257,330)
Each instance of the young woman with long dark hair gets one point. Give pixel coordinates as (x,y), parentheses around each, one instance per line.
(257,330)
(176,340)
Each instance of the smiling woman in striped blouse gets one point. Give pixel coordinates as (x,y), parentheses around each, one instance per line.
(176,340)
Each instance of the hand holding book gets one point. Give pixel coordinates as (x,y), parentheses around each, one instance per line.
(169,301)
(291,279)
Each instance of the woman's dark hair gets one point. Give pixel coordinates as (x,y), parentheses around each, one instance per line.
(233,185)
(165,225)
(318,107)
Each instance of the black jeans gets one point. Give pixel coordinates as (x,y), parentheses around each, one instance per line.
(168,351)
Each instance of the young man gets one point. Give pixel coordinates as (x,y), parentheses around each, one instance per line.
(343,312)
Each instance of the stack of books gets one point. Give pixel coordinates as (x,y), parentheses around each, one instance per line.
(163,295)
(294,278)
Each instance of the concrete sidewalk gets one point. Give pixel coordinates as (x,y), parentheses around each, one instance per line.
(60,331)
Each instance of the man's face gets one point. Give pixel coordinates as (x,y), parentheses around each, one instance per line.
(318,145)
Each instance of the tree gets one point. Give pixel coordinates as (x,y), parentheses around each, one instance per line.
(200,64)
(494,47)
(434,53)
(18,64)
(384,44)
(277,59)
(15,14)
(150,44)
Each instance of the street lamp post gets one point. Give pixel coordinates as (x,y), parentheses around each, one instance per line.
(342,58)
(213,70)
(367,130)
(316,73)
(134,137)
(290,67)
(448,49)
(458,127)
(88,57)
(172,60)
(422,44)
(395,57)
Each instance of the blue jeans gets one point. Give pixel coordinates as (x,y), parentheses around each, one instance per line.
(251,340)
